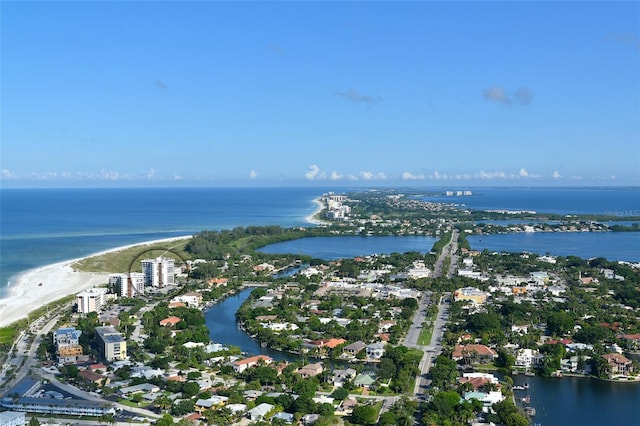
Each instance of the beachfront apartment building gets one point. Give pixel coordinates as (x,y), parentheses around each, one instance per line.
(158,272)
(127,285)
(110,344)
(91,300)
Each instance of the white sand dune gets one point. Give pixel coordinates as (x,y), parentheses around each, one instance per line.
(37,287)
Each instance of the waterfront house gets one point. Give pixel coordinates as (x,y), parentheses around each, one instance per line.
(241,365)
(193,299)
(487,398)
(375,350)
(478,380)
(620,365)
(217,282)
(354,348)
(527,358)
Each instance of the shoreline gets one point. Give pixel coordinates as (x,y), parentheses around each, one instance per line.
(312,217)
(34,288)
(37,287)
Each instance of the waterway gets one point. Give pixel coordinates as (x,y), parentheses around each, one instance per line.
(581,401)
(223,328)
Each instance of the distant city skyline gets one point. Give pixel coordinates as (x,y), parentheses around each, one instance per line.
(452,94)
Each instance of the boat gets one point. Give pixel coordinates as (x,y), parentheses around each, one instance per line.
(526,386)
(530,411)
(518,388)
(526,400)
(529,373)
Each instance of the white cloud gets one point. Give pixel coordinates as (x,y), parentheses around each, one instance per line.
(353,96)
(496,94)
(253,174)
(352,177)
(556,175)
(411,176)
(576,178)
(7,174)
(491,175)
(523,173)
(315,173)
(109,175)
(335,176)
(365,175)
(151,173)
(521,96)
(438,176)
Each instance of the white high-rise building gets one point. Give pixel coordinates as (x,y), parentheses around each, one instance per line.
(91,300)
(158,272)
(127,285)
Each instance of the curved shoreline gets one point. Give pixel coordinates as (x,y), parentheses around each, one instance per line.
(37,287)
(312,217)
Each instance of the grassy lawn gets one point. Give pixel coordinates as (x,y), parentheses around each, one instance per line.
(425,336)
(8,334)
(119,261)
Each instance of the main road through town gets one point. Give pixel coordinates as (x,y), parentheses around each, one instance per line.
(434,348)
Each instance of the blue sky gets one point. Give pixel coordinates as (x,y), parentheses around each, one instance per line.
(357,93)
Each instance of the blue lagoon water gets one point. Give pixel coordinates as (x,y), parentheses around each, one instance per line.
(331,248)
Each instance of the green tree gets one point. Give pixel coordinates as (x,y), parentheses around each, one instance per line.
(166,420)
(364,415)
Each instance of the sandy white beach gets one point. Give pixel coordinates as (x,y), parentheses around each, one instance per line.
(319,208)
(39,286)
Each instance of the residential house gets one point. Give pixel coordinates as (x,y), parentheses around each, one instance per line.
(527,358)
(474,354)
(215,401)
(309,419)
(341,376)
(241,365)
(170,321)
(286,417)
(620,364)
(310,370)
(259,412)
(364,380)
(375,350)
(354,348)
